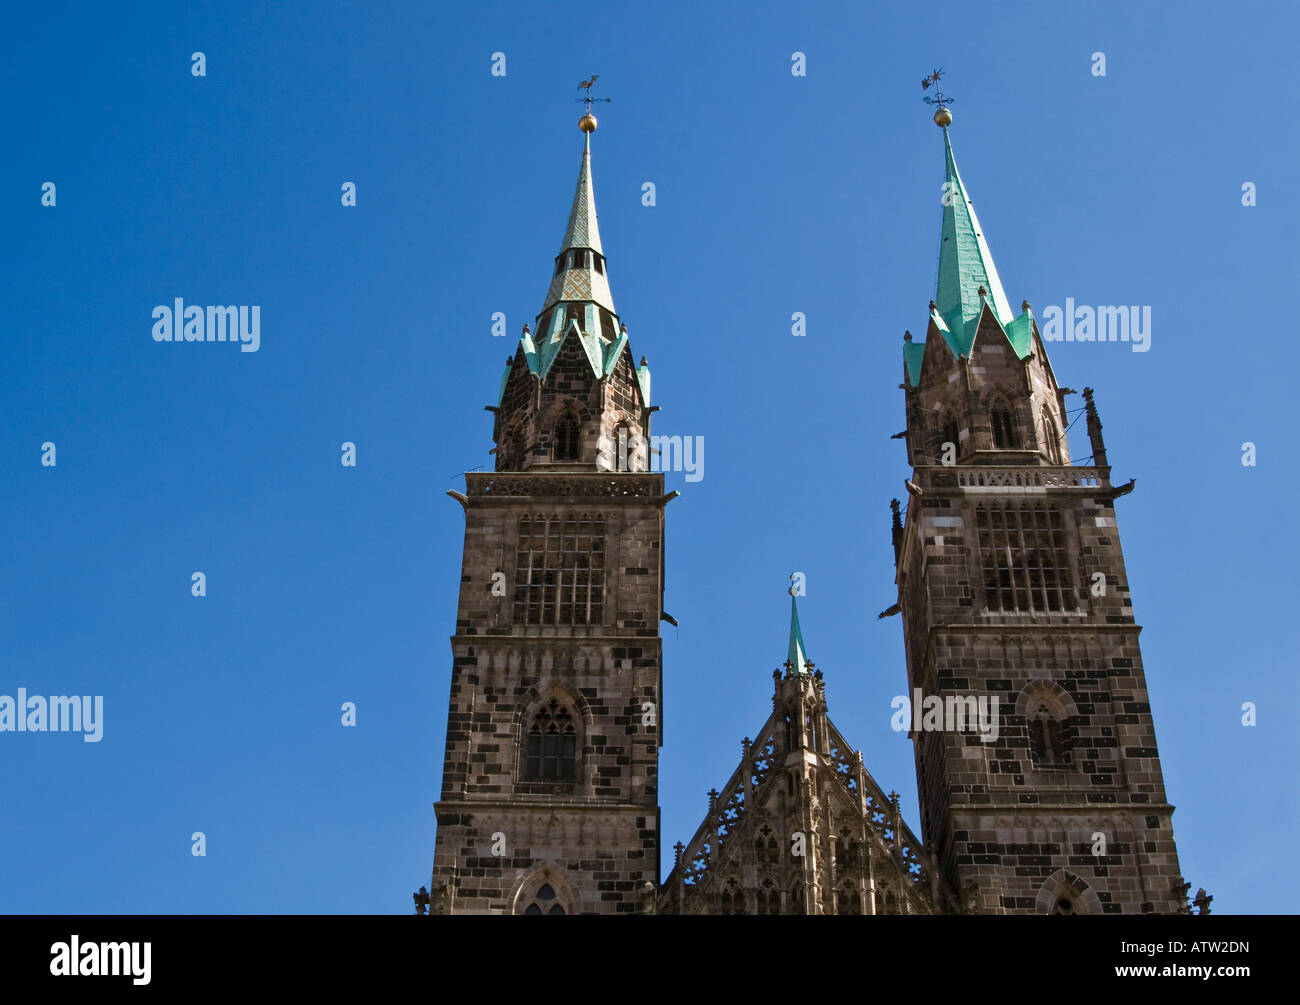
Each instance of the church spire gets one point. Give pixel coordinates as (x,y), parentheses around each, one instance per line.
(596,415)
(1006,402)
(582,231)
(580,275)
(797,659)
(967,275)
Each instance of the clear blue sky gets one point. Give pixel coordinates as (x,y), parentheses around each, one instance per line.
(776,194)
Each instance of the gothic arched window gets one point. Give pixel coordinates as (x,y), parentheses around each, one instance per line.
(566,439)
(948,434)
(624,459)
(848,854)
(732,899)
(848,900)
(1004,428)
(1065,893)
(1048,739)
(545,892)
(551,746)
(544,902)
(514,445)
(768,898)
(810,728)
(1051,438)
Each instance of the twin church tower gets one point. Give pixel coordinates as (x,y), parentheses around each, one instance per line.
(1013,597)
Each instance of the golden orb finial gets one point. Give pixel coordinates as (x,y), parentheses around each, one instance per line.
(943,118)
(587,123)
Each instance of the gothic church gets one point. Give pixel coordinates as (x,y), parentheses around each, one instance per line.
(1011,586)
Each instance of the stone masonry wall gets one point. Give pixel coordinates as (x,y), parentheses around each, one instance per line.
(600,832)
(1009,832)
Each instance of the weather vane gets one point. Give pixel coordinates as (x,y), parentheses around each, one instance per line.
(942,117)
(587,85)
(588,122)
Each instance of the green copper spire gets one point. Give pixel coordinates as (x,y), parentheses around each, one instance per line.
(798,656)
(580,266)
(965,265)
(582,231)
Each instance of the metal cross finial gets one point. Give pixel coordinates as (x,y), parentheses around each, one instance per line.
(938,100)
(587,85)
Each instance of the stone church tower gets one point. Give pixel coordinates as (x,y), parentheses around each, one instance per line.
(1037,768)
(1012,587)
(549,798)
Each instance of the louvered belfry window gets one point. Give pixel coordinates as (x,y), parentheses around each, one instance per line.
(560,570)
(1051,438)
(1025,559)
(948,432)
(567,446)
(1004,428)
(1048,742)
